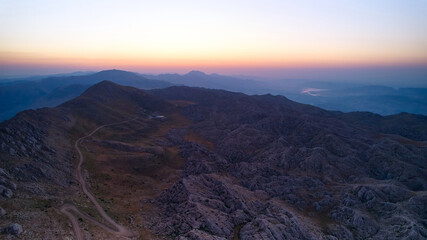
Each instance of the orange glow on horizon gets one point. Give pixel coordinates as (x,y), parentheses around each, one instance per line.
(230,61)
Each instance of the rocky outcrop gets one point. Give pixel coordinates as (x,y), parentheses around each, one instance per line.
(216,207)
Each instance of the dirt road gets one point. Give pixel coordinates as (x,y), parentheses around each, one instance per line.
(69,209)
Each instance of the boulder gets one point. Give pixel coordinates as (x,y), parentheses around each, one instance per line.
(5,192)
(13,229)
(2,211)
(7,183)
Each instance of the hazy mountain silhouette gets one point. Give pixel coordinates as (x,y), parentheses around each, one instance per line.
(213,81)
(15,80)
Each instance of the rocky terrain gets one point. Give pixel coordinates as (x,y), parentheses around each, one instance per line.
(282,170)
(253,167)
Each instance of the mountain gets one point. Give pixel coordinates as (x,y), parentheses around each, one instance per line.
(51,91)
(196,163)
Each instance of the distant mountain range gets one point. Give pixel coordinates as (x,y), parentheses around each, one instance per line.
(213,81)
(38,92)
(52,91)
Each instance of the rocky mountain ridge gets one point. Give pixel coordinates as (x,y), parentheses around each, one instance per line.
(256,167)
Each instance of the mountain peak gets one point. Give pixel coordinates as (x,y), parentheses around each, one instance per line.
(105,83)
(115,72)
(103,88)
(196,73)
(115,98)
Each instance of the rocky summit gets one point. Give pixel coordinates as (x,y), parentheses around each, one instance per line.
(194,163)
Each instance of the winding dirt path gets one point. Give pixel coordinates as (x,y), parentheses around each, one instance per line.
(69,208)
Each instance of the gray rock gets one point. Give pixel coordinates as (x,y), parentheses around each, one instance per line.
(2,211)
(200,235)
(274,229)
(5,192)
(3,173)
(340,232)
(13,229)
(12,151)
(366,194)
(7,183)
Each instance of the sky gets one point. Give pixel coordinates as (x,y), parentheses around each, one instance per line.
(330,39)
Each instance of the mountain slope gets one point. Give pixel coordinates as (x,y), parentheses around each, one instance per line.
(36,150)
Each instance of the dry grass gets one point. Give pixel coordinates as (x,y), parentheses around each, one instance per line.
(403,140)
(121,180)
(194,137)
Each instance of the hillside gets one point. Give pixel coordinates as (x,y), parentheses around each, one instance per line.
(195,163)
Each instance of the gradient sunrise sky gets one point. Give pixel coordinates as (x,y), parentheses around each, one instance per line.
(266,38)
